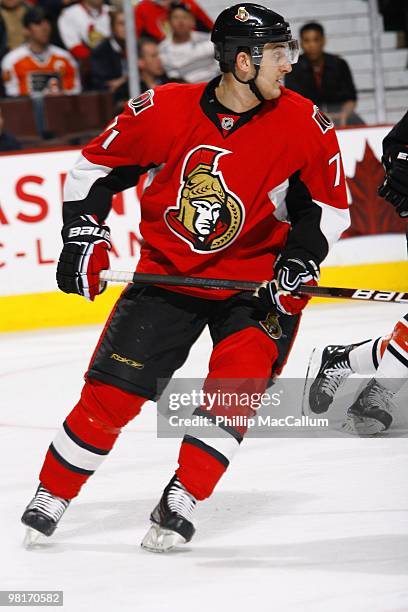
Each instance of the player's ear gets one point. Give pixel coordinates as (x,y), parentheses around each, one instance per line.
(243,61)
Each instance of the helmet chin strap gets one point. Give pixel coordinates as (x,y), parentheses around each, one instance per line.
(251,83)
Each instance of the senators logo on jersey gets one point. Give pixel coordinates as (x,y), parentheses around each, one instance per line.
(208,215)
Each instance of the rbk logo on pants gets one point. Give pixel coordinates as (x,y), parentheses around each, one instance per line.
(130,362)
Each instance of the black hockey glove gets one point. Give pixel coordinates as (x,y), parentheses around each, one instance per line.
(84,255)
(395,186)
(290,273)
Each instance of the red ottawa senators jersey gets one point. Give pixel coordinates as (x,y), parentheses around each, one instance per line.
(227,192)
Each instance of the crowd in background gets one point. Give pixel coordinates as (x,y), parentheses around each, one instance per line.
(68,46)
(54,47)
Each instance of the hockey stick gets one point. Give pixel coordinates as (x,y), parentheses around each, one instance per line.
(371,295)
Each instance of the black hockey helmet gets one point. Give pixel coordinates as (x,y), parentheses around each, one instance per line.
(250,26)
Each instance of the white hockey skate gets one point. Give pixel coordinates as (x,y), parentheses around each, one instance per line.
(171,524)
(371,413)
(42,516)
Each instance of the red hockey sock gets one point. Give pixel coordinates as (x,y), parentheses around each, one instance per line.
(86,437)
(241,362)
(199,470)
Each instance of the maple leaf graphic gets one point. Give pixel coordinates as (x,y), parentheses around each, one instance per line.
(369,213)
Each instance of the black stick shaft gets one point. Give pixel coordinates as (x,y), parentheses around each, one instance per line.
(242,285)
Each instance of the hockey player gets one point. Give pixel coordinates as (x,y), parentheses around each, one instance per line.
(386,357)
(231,162)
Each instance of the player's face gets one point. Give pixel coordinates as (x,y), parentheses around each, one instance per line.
(274,65)
(207,215)
(312,44)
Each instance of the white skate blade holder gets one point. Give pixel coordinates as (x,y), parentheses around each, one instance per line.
(32,537)
(363,426)
(161,540)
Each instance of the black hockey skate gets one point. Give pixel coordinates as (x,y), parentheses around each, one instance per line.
(171,519)
(371,412)
(329,368)
(43,514)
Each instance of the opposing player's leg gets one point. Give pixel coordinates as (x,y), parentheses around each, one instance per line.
(147,337)
(241,362)
(371,413)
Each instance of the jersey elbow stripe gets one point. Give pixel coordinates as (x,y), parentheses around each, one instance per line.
(333,222)
(81,178)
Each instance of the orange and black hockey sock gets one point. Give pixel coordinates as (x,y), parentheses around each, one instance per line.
(393,369)
(87,436)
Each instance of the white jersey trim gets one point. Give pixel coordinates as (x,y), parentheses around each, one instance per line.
(81,178)
(334,221)
(277,196)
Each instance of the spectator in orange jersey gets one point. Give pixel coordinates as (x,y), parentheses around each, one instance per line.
(152,17)
(38,67)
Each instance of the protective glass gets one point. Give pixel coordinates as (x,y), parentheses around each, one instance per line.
(276,54)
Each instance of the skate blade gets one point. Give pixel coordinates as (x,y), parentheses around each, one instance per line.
(161,540)
(311,373)
(362,426)
(32,538)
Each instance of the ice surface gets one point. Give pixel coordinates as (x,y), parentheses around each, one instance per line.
(305,525)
